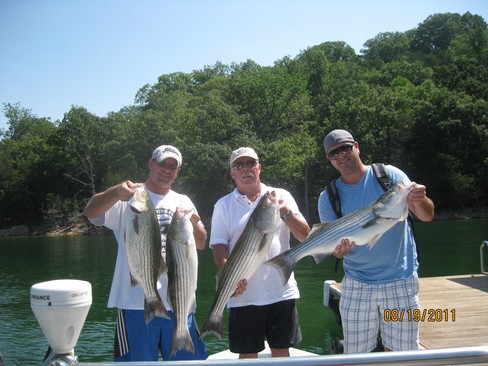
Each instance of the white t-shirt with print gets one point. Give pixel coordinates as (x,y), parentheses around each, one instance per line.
(122,294)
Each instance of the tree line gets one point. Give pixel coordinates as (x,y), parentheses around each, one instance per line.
(416,99)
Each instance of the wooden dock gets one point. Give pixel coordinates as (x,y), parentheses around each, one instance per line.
(455,311)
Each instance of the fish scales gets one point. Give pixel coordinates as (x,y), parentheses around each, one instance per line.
(143,248)
(182,263)
(248,253)
(364,226)
(337,230)
(247,261)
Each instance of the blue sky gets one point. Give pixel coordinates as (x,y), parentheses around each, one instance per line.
(98,53)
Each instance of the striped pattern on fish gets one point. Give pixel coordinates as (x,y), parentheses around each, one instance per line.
(364,226)
(248,254)
(143,248)
(182,262)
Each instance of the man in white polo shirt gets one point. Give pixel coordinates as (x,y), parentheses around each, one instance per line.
(262,308)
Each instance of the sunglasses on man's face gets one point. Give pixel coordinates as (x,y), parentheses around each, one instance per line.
(344,149)
(246,164)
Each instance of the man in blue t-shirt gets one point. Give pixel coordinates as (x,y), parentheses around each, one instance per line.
(383,278)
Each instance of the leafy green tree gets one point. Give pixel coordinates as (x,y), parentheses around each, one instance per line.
(415,99)
(450,139)
(389,74)
(387,47)
(273,98)
(436,33)
(25,179)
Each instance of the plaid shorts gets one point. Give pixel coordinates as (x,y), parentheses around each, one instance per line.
(366,310)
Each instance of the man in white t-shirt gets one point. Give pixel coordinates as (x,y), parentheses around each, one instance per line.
(261,308)
(134,339)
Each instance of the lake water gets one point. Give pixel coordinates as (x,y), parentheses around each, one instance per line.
(446,248)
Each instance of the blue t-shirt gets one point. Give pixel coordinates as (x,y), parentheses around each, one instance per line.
(394,257)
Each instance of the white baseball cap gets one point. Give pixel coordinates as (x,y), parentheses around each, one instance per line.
(243,151)
(167,151)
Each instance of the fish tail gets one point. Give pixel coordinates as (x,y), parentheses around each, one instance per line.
(284,263)
(154,307)
(213,325)
(182,340)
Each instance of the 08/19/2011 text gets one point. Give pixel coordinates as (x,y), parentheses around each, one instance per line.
(419,315)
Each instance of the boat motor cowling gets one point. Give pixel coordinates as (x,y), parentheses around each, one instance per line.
(61,307)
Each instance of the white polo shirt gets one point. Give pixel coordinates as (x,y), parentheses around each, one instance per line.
(229,219)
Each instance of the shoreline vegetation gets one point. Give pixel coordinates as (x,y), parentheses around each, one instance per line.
(417,100)
(82,227)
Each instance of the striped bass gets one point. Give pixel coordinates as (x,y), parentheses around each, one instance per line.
(247,255)
(182,262)
(364,226)
(143,247)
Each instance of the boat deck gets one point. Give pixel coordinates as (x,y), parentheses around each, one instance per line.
(456,311)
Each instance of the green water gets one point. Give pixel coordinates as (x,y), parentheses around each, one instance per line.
(446,248)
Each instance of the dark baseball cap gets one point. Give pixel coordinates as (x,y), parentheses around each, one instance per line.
(336,137)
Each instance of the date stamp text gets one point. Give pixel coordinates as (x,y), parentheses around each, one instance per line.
(420,315)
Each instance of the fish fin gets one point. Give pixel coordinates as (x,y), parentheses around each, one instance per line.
(195,321)
(135,225)
(266,256)
(154,307)
(369,223)
(182,341)
(162,267)
(133,281)
(319,257)
(213,325)
(188,249)
(217,279)
(265,241)
(373,241)
(284,263)
(318,226)
(404,215)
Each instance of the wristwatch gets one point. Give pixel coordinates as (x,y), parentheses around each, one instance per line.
(287,215)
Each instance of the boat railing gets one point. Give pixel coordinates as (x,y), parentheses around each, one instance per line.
(482,256)
(446,356)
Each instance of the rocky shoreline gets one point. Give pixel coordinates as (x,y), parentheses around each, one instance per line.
(72,230)
(85,228)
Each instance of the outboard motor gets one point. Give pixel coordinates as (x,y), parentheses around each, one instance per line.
(61,307)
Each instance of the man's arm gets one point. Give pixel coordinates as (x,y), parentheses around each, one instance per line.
(421,205)
(199,232)
(220,254)
(101,202)
(298,225)
(295,221)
